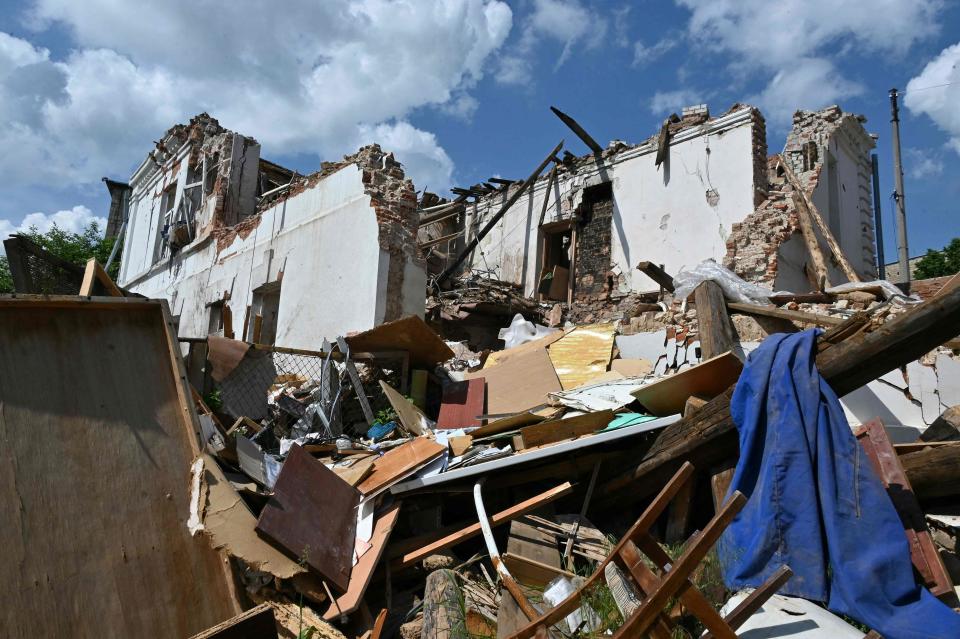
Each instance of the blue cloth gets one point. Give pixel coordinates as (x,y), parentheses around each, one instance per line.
(815,503)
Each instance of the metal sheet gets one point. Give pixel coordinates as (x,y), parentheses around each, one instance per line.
(582,354)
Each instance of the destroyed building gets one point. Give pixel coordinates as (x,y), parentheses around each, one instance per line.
(243,247)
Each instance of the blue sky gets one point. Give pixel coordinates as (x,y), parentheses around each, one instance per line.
(460,90)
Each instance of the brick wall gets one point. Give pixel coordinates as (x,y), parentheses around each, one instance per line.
(592,268)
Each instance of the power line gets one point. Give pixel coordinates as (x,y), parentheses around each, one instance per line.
(935,86)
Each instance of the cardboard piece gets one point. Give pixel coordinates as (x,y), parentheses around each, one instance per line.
(520,383)
(411,417)
(410,334)
(312,517)
(462,403)
(668,395)
(360,468)
(399,462)
(632,367)
(224,355)
(459,445)
(582,354)
(501,357)
(363,571)
(561,429)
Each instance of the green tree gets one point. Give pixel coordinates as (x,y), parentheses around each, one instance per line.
(73,247)
(939,263)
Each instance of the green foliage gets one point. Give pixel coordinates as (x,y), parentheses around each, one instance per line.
(939,263)
(213,400)
(73,247)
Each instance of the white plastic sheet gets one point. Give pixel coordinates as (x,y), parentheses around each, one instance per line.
(521,331)
(734,288)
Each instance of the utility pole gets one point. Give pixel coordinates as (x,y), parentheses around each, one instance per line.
(898,196)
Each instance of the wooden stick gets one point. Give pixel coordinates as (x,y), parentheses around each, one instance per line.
(502,517)
(756,599)
(546,197)
(583,513)
(95,273)
(814,213)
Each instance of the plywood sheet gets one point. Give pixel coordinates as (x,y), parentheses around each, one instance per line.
(462,403)
(409,334)
(521,383)
(507,424)
(98,434)
(668,395)
(631,367)
(560,429)
(363,571)
(500,357)
(582,354)
(312,517)
(400,462)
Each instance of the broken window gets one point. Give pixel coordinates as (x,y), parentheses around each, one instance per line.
(165,223)
(263,313)
(556,259)
(215,326)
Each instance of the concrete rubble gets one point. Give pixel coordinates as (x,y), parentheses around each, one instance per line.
(352,451)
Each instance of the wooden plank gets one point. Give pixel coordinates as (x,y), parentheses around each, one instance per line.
(505,424)
(410,334)
(462,403)
(355,380)
(668,395)
(560,429)
(312,517)
(805,218)
(534,554)
(502,517)
(358,471)
(923,553)
(693,404)
(532,571)
(814,213)
(631,367)
(94,273)
(362,572)
(501,357)
(657,274)
(551,182)
(91,520)
(755,600)
(399,462)
(519,384)
(815,319)
(256,623)
(578,130)
(679,516)
(720,486)
(378,625)
(715,329)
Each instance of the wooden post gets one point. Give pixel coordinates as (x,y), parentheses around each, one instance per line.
(715,328)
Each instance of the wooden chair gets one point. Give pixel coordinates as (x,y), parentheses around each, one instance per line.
(670,580)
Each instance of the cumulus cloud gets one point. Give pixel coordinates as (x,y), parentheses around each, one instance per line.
(936,93)
(73,220)
(666,102)
(923,163)
(308,78)
(790,41)
(567,22)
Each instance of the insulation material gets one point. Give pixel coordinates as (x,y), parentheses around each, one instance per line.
(582,354)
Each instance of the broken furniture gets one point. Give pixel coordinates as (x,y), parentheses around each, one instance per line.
(657,589)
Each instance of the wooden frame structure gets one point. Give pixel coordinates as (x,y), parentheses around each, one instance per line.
(672,581)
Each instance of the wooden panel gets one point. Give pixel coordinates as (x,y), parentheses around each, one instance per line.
(884,460)
(411,334)
(668,395)
(400,462)
(525,542)
(462,402)
(98,435)
(520,383)
(312,516)
(363,571)
(501,357)
(560,429)
(256,623)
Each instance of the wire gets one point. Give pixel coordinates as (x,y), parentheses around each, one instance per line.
(935,86)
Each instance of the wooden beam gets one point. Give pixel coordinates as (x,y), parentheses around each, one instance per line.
(755,600)
(95,273)
(502,517)
(814,213)
(546,197)
(786,314)
(934,472)
(657,274)
(576,128)
(715,328)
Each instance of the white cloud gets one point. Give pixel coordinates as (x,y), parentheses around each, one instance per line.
(567,22)
(922,163)
(307,78)
(928,94)
(643,54)
(790,41)
(666,102)
(73,220)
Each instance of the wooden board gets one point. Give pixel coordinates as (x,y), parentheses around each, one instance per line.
(256,623)
(98,432)
(525,542)
(400,462)
(409,334)
(668,395)
(631,367)
(582,354)
(462,403)
(521,383)
(501,357)
(312,517)
(506,424)
(559,429)
(362,573)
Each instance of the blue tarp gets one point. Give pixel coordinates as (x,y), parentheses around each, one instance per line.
(815,503)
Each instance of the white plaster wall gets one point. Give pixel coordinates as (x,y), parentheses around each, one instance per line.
(661,215)
(325,240)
